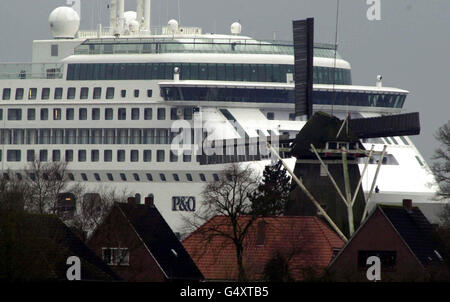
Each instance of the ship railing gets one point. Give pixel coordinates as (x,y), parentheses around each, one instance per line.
(31,71)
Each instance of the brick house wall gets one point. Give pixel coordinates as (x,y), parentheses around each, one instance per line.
(377,234)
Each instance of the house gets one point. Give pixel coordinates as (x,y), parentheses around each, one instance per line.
(400,236)
(36,247)
(138,244)
(300,245)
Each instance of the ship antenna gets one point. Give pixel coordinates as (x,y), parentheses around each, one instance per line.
(335,54)
(179,12)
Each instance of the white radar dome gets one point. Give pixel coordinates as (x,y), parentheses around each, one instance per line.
(64,22)
(130,16)
(173,25)
(236,28)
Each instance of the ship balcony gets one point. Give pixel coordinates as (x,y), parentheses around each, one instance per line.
(31,71)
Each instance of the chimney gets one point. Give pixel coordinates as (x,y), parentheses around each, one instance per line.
(407,204)
(149,201)
(131,200)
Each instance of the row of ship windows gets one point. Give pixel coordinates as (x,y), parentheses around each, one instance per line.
(202,71)
(43,156)
(136,176)
(387,140)
(71,94)
(15,114)
(91,136)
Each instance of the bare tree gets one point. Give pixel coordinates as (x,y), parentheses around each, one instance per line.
(229,196)
(45,181)
(441,166)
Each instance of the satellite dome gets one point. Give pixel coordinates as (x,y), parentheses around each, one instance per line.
(64,22)
(173,25)
(236,28)
(130,16)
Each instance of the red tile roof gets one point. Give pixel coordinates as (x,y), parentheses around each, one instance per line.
(306,241)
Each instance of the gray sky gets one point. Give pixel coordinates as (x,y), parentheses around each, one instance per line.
(410,46)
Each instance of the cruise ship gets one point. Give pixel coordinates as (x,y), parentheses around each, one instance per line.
(106,102)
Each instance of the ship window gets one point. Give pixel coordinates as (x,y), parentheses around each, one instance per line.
(18,175)
(30,155)
(160,156)
(173,114)
(122,136)
(121,155)
(202,177)
(161,113)
(216,177)
(97,177)
(71,93)
(108,114)
(135,113)
(123,93)
(44,114)
(82,114)
(107,156)
(56,155)
(69,114)
(176,177)
(19,93)
(32,93)
(97,93)
(43,155)
(149,177)
(14,114)
(13,155)
(188,113)
(110,92)
(173,157)
(54,50)
(394,140)
(109,136)
(31,114)
(95,155)
(122,114)
(69,155)
(149,93)
(135,136)
(71,177)
(270,116)
(84,93)
(292,116)
(83,136)
(387,140)
(110,177)
(1,114)
(148,112)
(189,176)
(84,176)
(147,155)
(136,93)
(45,93)
(123,176)
(404,140)
(95,113)
(58,93)
(187,158)
(419,161)
(6,93)
(162,176)
(134,155)
(81,155)
(56,114)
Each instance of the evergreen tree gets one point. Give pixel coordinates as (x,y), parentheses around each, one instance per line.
(273,193)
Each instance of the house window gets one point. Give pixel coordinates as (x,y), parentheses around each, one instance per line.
(116,256)
(388,258)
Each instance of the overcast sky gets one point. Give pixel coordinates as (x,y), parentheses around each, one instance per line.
(409,46)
